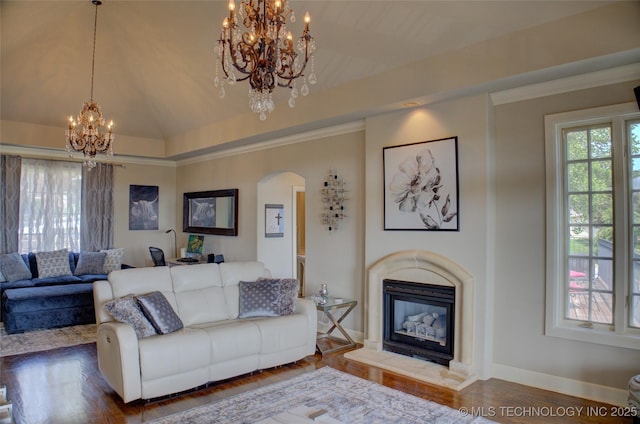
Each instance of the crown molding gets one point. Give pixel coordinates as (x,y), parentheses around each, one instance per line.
(564,85)
(57,154)
(278,142)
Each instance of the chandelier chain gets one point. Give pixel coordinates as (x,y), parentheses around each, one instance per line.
(87,133)
(93,53)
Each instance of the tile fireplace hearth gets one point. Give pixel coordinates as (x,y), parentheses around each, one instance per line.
(421,267)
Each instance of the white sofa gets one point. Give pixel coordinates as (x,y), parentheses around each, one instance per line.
(213,345)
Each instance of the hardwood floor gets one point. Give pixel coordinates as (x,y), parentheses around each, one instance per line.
(64,386)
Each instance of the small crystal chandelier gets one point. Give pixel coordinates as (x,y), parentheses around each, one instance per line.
(265,53)
(87,133)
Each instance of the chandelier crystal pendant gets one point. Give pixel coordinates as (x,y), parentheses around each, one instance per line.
(88,133)
(264,54)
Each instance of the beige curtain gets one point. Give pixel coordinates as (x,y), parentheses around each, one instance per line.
(10,167)
(97,208)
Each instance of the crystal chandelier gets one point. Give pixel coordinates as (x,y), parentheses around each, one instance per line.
(87,133)
(265,53)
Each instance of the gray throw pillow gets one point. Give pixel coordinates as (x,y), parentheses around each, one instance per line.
(268,297)
(287,301)
(258,299)
(287,294)
(90,263)
(159,312)
(13,267)
(126,310)
(53,264)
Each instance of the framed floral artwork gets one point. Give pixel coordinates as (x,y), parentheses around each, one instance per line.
(421,186)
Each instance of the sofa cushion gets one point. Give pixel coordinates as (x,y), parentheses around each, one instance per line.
(126,309)
(53,264)
(185,351)
(159,312)
(55,281)
(14,268)
(199,294)
(35,299)
(113,261)
(90,263)
(90,278)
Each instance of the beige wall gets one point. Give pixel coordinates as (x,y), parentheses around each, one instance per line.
(467,119)
(335,258)
(136,243)
(520,342)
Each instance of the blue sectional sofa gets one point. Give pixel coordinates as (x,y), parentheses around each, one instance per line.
(50,302)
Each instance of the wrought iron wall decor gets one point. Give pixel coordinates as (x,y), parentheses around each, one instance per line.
(333,192)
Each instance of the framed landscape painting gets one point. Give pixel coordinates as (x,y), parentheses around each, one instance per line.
(421,186)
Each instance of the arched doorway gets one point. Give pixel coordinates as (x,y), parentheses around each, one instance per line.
(282,252)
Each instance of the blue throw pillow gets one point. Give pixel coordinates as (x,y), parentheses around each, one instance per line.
(13,267)
(90,263)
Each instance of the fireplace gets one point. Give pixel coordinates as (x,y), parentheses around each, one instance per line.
(418,320)
(424,268)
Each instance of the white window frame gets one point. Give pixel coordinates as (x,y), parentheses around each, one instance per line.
(619,334)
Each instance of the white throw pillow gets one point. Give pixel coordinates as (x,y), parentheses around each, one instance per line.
(53,264)
(113,261)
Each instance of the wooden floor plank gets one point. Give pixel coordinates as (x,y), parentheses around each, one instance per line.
(64,386)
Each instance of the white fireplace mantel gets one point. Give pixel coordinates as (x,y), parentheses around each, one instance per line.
(430,268)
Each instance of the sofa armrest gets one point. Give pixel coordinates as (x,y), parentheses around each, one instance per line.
(308,308)
(119,359)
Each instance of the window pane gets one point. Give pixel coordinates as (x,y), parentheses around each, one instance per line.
(601,308)
(578,177)
(578,244)
(634,137)
(576,145)
(602,209)
(600,145)
(578,305)
(579,271)
(603,275)
(635,200)
(579,208)
(634,320)
(602,242)
(601,175)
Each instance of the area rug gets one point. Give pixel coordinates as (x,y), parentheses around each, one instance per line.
(345,398)
(40,340)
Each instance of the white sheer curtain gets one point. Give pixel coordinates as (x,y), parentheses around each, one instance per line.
(50,205)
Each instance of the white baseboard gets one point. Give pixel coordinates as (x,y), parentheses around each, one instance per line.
(562,385)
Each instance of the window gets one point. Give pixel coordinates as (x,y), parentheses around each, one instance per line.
(50,199)
(593,225)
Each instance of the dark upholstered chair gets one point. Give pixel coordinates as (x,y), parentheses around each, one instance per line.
(157,256)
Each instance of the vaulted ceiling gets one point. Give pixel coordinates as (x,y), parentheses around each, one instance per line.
(155,60)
